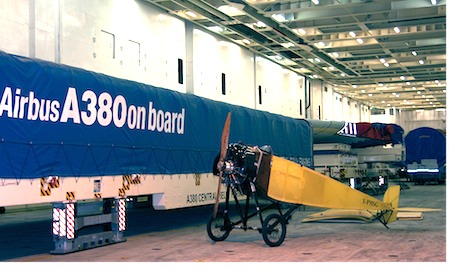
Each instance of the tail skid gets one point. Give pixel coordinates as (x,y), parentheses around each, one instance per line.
(392,196)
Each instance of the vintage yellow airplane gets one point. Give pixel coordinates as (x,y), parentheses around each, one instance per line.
(252,172)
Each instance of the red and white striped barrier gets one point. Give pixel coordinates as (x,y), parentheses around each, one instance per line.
(121,215)
(70,220)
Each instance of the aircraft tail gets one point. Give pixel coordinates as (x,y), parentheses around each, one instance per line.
(392,196)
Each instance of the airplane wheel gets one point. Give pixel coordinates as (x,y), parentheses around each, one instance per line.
(218,228)
(274,230)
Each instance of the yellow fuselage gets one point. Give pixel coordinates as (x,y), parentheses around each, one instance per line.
(292,183)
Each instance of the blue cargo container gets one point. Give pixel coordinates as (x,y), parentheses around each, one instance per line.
(426,155)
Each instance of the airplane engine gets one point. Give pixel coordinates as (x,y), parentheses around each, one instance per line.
(244,164)
(239,167)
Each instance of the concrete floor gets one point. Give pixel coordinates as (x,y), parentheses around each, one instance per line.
(418,241)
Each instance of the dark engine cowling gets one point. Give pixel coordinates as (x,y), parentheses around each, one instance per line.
(240,165)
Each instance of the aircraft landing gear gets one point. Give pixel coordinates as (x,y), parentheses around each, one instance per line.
(219,227)
(241,170)
(274,230)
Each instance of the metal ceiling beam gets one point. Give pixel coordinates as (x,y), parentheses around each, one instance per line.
(422,31)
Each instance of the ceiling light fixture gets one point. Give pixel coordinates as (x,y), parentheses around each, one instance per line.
(300,31)
(216,29)
(260,24)
(278,17)
(287,45)
(231,10)
(191,14)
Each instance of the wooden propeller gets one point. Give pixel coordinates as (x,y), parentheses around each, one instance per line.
(223,151)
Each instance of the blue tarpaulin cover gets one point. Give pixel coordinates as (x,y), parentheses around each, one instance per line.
(425,143)
(65,121)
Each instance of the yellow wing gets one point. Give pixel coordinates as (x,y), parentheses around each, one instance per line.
(358,215)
